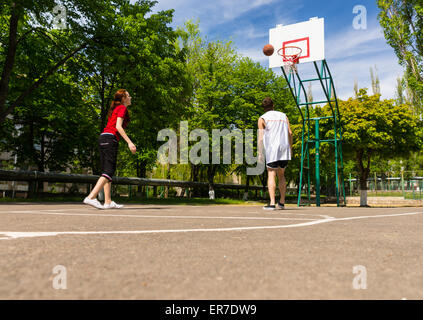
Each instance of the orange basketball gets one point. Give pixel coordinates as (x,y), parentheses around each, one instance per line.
(268,49)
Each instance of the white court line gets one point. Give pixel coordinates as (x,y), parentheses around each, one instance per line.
(276,212)
(16,235)
(157,216)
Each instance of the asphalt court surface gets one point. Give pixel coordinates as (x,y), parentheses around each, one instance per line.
(210,252)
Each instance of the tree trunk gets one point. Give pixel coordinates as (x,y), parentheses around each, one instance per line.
(41,163)
(194,178)
(211,170)
(141,173)
(103,100)
(247,186)
(166,193)
(363,176)
(10,58)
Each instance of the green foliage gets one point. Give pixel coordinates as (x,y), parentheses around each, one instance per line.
(53,130)
(402,23)
(227,91)
(375,129)
(126,47)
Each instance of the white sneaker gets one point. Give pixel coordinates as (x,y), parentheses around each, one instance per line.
(93,202)
(113,205)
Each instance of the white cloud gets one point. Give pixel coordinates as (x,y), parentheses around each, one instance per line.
(345,72)
(351,42)
(250,33)
(255,54)
(235,8)
(210,13)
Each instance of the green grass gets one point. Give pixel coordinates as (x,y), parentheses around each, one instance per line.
(408,194)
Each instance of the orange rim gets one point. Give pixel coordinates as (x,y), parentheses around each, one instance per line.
(290,58)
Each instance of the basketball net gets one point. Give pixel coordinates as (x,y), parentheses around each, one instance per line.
(290,56)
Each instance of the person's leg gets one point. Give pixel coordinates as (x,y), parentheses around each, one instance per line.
(101,182)
(282,184)
(108,193)
(111,168)
(271,185)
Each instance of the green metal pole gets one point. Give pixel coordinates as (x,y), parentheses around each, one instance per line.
(351,186)
(302,165)
(317,143)
(412,187)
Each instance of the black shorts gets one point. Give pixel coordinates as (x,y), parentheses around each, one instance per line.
(277,164)
(108,146)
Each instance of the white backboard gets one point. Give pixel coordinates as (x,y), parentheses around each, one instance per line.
(308,35)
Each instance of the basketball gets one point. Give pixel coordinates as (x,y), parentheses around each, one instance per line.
(268,49)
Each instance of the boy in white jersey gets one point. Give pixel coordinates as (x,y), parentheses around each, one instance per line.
(276,137)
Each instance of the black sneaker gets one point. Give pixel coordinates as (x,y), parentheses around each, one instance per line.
(281,206)
(269,207)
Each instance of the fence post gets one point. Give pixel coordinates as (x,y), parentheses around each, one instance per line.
(381,184)
(32,186)
(412,187)
(375,181)
(402,181)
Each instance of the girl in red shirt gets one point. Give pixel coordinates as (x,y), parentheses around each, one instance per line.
(118,119)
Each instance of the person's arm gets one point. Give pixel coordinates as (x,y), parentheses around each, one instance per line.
(261,125)
(289,135)
(123,134)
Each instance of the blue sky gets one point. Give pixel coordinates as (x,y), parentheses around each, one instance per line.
(349,52)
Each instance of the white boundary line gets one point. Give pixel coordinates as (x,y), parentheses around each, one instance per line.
(159,216)
(275,212)
(16,235)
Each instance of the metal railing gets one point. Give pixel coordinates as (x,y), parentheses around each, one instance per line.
(34,177)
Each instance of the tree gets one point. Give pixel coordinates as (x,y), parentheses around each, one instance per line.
(251,84)
(26,19)
(53,130)
(355,88)
(146,61)
(402,23)
(375,80)
(400,91)
(123,45)
(227,91)
(375,128)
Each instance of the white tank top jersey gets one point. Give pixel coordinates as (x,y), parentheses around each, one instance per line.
(276,136)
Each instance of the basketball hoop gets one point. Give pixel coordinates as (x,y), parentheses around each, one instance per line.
(290,56)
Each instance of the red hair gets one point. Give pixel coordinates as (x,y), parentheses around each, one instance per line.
(117,100)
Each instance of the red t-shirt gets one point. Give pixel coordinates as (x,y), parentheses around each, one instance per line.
(119,112)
